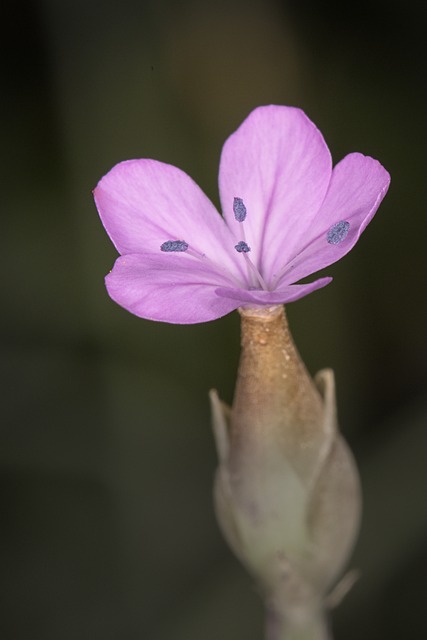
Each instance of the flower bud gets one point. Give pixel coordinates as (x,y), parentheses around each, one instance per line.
(287,493)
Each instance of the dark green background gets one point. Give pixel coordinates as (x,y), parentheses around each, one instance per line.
(106,456)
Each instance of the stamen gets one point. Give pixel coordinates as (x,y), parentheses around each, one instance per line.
(174,245)
(338,232)
(171,246)
(239,209)
(258,277)
(242,247)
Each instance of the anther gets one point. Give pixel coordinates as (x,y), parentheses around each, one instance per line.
(174,245)
(242,247)
(338,232)
(239,209)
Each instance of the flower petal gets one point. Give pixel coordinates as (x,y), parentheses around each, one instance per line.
(168,288)
(358,185)
(278,163)
(143,203)
(283,295)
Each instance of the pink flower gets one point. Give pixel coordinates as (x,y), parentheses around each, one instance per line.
(287,214)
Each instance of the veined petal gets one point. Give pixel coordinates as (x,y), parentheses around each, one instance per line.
(143,203)
(168,288)
(278,163)
(358,185)
(282,295)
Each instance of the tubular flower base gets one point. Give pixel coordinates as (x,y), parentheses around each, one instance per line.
(287,492)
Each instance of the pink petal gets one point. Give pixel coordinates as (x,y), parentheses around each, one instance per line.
(143,203)
(278,163)
(358,185)
(283,295)
(169,288)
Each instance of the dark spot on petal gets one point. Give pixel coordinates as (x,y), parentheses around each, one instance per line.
(338,232)
(239,209)
(174,245)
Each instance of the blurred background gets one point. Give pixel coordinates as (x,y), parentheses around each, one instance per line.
(106,454)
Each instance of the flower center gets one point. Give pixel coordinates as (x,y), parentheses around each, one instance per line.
(335,235)
(255,279)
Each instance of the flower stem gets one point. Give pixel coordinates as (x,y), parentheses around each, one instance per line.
(286,491)
(312,626)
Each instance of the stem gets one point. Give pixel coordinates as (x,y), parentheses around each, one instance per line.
(311,625)
(277,408)
(286,492)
